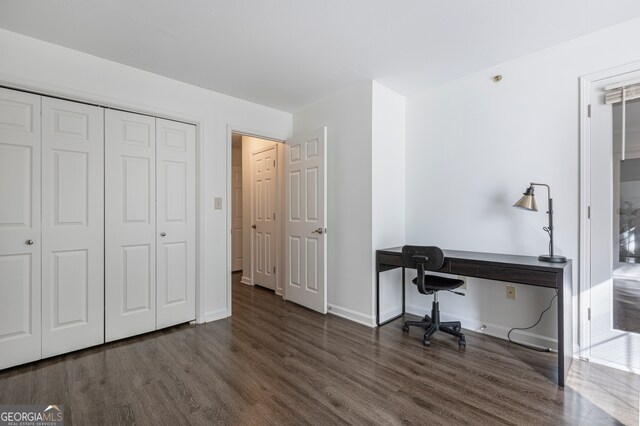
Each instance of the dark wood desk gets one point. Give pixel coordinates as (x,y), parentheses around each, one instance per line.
(500,267)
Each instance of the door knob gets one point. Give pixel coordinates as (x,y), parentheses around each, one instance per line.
(29,242)
(317,231)
(163,234)
(253,226)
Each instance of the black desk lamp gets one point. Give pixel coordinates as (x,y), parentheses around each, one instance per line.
(528,202)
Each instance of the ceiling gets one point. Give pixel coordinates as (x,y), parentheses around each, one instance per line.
(287,54)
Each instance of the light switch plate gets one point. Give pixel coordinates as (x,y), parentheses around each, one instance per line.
(217,203)
(511,292)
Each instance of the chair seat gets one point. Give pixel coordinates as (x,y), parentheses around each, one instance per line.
(435,282)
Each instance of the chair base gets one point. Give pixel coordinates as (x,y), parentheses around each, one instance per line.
(432,324)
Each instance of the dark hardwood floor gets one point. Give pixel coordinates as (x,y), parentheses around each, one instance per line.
(274,362)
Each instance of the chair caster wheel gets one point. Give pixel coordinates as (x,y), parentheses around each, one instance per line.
(405,328)
(462,343)
(426,342)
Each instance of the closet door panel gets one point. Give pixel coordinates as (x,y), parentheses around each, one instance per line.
(176,218)
(20,242)
(130,232)
(72,226)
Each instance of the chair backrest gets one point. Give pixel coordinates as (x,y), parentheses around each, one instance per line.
(422,258)
(431,257)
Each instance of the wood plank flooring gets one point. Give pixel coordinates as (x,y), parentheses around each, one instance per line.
(274,362)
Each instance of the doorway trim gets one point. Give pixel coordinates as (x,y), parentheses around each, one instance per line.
(584,275)
(43,88)
(256,133)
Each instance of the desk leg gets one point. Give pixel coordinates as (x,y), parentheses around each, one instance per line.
(378,301)
(565,325)
(378,298)
(403,290)
(561,374)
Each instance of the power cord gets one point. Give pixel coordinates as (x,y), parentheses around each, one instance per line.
(528,328)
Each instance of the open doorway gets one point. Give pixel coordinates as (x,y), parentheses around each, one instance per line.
(610,212)
(257,200)
(278,193)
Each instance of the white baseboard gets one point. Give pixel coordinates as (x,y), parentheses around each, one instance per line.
(352,315)
(216,315)
(246,280)
(495,330)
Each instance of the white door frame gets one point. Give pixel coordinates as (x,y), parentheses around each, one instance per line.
(70,94)
(261,134)
(584,277)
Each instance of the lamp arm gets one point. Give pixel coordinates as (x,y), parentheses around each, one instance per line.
(543,184)
(550,213)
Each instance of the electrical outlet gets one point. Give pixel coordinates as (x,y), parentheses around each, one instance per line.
(463,286)
(511,292)
(217,203)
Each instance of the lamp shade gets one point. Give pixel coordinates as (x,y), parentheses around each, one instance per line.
(527,201)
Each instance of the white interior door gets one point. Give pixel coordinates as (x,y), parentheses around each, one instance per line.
(264,178)
(615,203)
(236,218)
(176,222)
(20,243)
(305,220)
(72,226)
(130,224)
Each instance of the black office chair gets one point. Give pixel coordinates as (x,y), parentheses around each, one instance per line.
(425,258)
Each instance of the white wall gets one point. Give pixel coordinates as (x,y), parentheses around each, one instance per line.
(472,147)
(388,189)
(32,63)
(347,116)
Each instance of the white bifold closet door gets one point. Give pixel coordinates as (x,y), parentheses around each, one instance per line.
(72,226)
(51,227)
(130,224)
(176,222)
(150,224)
(20,243)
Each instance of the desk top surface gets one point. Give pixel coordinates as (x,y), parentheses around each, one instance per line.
(502,259)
